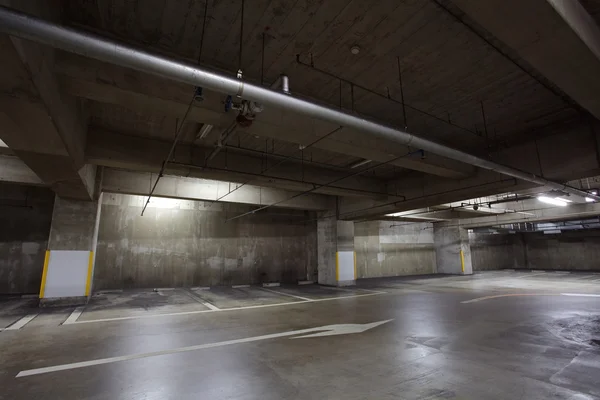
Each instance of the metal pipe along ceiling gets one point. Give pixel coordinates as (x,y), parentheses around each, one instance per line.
(93,46)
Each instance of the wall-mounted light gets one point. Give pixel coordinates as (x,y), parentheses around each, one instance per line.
(552,200)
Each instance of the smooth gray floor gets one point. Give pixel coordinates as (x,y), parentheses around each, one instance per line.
(534,344)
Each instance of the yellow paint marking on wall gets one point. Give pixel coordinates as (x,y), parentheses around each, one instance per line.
(337,266)
(462,261)
(88,282)
(44,273)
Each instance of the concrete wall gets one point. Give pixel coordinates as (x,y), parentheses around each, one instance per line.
(25,217)
(491,252)
(385,248)
(188,243)
(571,250)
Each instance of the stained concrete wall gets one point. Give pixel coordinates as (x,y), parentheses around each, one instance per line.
(491,252)
(570,250)
(188,243)
(25,218)
(326,248)
(385,248)
(452,250)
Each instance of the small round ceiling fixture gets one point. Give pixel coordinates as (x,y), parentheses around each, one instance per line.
(355,50)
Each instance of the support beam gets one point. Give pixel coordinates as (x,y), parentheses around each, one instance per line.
(12,169)
(141,154)
(151,94)
(40,123)
(335,252)
(452,249)
(555,37)
(569,154)
(69,265)
(534,211)
(117,181)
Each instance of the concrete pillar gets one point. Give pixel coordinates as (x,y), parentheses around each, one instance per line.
(69,262)
(335,252)
(452,249)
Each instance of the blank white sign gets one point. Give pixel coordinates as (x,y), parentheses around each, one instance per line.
(67,273)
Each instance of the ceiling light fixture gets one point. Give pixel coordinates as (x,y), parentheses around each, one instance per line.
(355,50)
(589,199)
(553,201)
(359,163)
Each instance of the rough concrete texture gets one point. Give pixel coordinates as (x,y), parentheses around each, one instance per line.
(574,250)
(181,243)
(434,346)
(449,241)
(491,252)
(327,246)
(25,217)
(385,248)
(73,225)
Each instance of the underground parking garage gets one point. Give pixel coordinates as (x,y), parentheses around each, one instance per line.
(256,199)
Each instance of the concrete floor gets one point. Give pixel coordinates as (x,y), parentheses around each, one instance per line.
(495,335)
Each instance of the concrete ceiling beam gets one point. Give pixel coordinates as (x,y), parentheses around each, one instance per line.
(567,155)
(535,211)
(141,154)
(12,169)
(106,83)
(129,182)
(559,39)
(38,121)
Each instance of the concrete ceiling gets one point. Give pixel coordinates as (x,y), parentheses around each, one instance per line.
(466,83)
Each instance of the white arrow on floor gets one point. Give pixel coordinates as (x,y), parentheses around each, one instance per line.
(328,330)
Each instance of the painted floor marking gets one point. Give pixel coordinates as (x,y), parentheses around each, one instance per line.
(223,309)
(529,294)
(287,294)
(21,323)
(74,315)
(329,330)
(210,306)
(536,274)
(200,300)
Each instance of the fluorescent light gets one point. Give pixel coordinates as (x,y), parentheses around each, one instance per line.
(359,163)
(205,130)
(552,200)
(589,199)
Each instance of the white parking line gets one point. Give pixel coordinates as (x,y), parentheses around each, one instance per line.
(210,306)
(224,309)
(74,315)
(21,323)
(537,274)
(287,294)
(580,294)
(200,300)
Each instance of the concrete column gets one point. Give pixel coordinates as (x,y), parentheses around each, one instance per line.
(452,249)
(69,262)
(335,252)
